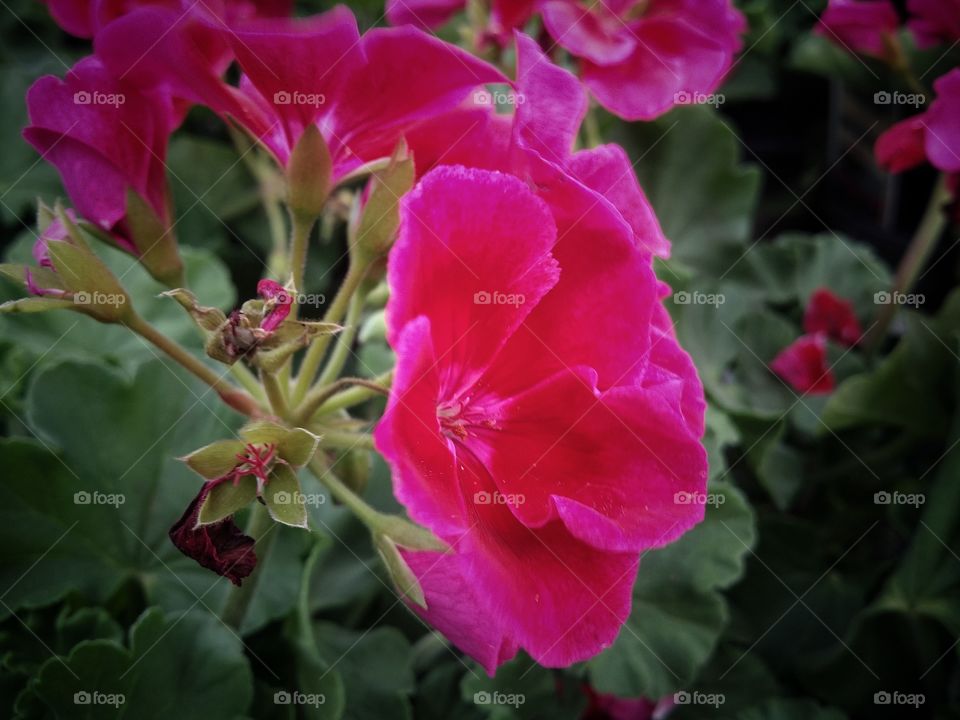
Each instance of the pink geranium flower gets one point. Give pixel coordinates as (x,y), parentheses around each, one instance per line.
(107,138)
(803,365)
(538,377)
(860,26)
(84,18)
(934,22)
(358,91)
(932,136)
(832,315)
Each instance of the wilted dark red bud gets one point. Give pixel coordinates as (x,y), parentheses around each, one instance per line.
(220,547)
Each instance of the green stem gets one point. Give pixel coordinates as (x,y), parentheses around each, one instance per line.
(341,350)
(236,398)
(355,395)
(278,263)
(262,529)
(320,394)
(334,314)
(347,497)
(248,381)
(278,400)
(346,440)
(301,227)
(915,259)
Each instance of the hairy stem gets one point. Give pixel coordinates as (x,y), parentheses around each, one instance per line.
(262,529)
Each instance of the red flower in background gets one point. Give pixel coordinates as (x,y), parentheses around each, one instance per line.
(860,26)
(803,365)
(826,313)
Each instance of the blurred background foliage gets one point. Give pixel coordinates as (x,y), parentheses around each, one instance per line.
(798,597)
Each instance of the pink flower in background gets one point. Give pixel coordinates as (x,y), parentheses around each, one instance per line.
(934,22)
(860,26)
(84,18)
(505,15)
(106,137)
(932,136)
(803,365)
(832,315)
(640,58)
(359,92)
(542,418)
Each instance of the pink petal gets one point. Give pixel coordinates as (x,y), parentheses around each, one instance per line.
(608,170)
(942,124)
(803,364)
(832,315)
(860,26)
(901,146)
(934,22)
(592,32)
(483,239)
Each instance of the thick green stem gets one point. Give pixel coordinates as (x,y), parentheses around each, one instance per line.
(301,227)
(236,398)
(278,399)
(346,440)
(341,350)
(278,263)
(355,395)
(322,393)
(261,528)
(915,259)
(366,514)
(334,314)
(248,381)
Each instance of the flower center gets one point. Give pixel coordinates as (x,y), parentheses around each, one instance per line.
(460,419)
(256,460)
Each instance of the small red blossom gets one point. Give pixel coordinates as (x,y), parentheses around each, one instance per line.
(832,315)
(277,305)
(803,365)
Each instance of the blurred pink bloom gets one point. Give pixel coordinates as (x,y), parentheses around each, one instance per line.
(803,365)
(860,26)
(84,18)
(277,304)
(832,315)
(360,92)
(933,135)
(106,137)
(934,22)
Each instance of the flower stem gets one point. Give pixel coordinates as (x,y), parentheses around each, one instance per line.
(915,259)
(338,357)
(262,529)
(334,314)
(278,401)
(301,227)
(346,440)
(322,393)
(236,398)
(355,395)
(366,514)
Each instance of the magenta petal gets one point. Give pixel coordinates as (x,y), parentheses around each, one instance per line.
(934,22)
(592,32)
(803,365)
(279,304)
(551,103)
(901,146)
(484,240)
(859,26)
(608,170)
(942,124)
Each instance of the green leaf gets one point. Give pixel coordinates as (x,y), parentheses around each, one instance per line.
(398,570)
(783,709)
(678,613)
(226,499)
(284,499)
(521,689)
(215,460)
(298,446)
(186,666)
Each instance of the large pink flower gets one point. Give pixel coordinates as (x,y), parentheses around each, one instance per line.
(106,137)
(543,417)
(84,18)
(360,92)
(932,136)
(860,26)
(934,22)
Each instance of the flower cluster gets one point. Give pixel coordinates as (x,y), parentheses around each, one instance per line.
(542,418)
